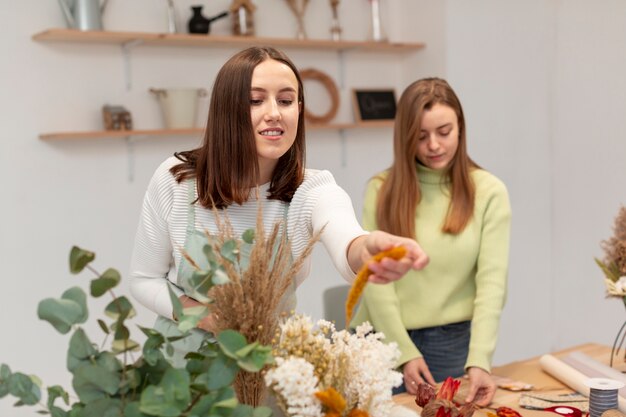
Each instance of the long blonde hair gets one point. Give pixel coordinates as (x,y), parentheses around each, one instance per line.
(400,192)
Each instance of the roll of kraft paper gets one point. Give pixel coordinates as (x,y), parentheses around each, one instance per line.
(602,370)
(571,377)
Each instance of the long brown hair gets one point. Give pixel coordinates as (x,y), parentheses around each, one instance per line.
(225,166)
(400,192)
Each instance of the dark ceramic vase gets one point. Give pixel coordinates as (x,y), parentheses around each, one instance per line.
(198,23)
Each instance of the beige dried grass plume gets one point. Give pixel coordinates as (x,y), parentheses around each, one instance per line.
(615,247)
(250,303)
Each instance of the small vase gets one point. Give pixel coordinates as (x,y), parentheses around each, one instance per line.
(198,23)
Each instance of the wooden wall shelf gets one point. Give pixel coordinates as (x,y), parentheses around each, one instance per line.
(176,39)
(193,132)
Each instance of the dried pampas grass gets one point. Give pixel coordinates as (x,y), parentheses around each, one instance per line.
(251,302)
(615,247)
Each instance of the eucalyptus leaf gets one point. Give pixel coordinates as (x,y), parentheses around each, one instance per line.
(64,313)
(199,284)
(79,259)
(170,397)
(80,351)
(245,351)
(22,387)
(176,304)
(242,410)
(262,412)
(5,374)
(92,382)
(109,279)
(103,326)
(208,252)
(132,410)
(54,392)
(220,277)
(248,236)
(230,251)
(222,372)
(58,412)
(231,341)
(120,307)
(103,407)
(203,407)
(125,345)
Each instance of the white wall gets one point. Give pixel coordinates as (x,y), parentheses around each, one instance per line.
(535,78)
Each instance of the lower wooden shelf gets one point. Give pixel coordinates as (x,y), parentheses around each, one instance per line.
(195,131)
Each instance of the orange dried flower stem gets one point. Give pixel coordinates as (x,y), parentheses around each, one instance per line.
(361,278)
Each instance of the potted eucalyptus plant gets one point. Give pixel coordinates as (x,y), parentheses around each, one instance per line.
(107,384)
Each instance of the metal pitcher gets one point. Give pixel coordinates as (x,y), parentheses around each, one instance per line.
(83,14)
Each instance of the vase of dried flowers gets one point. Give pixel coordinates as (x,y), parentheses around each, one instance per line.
(614,267)
(298,7)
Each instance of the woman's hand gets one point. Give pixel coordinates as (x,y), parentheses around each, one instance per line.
(208,322)
(387,270)
(481,387)
(416,372)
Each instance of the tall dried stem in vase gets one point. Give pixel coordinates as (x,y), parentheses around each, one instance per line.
(252,302)
(298,7)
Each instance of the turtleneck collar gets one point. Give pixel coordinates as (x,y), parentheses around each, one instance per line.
(431,176)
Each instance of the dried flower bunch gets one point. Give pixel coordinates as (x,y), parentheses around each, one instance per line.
(322,372)
(441,403)
(614,263)
(250,302)
(364,273)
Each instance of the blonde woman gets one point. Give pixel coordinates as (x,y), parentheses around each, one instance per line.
(444,318)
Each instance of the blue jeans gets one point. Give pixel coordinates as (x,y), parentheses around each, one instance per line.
(445,349)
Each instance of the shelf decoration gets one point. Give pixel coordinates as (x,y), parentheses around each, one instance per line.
(298,7)
(242,12)
(331,88)
(179,106)
(83,14)
(116,118)
(377,32)
(335,28)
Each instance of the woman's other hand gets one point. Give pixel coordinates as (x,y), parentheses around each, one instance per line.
(481,387)
(416,372)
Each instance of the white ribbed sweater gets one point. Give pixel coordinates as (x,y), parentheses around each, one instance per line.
(160,234)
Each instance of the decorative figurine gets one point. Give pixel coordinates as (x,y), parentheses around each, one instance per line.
(200,24)
(242,12)
(378,34)
(298,7)
(116,118)
(335,28)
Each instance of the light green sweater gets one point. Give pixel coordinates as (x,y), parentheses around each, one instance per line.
(467,275)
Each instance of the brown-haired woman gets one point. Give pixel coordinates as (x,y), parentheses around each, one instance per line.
(254,138)
(444,318)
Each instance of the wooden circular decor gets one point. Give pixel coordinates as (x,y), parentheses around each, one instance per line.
(333,92)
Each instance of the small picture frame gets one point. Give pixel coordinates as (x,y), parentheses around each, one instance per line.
(374,104)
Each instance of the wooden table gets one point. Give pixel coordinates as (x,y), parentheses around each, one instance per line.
(527,371)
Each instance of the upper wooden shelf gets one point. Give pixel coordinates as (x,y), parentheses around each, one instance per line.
(176,39)
(194,132)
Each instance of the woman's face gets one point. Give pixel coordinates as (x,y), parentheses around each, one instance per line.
(275,110)
(439,137)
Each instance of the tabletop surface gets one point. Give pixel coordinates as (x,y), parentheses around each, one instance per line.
(526,371)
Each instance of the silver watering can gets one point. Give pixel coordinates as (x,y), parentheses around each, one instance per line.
(83,14)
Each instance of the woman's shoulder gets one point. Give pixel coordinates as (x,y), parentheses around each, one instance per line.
(163,183)
(487,180)
(317,177)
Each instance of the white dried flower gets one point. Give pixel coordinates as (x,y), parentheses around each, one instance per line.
(294,381)
(617,288)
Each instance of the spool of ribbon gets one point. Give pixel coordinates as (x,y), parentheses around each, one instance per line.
(602,395)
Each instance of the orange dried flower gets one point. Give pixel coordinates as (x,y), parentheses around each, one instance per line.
(361,278)
(332,400)
(358,413)
(507,412)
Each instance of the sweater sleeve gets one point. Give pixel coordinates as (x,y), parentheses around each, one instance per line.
(381,301)
(491,275)
(320,202)
(152,256)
